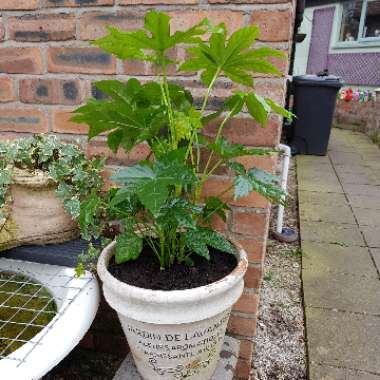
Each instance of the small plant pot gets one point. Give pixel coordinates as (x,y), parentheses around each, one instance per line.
(174,334)
(34,214)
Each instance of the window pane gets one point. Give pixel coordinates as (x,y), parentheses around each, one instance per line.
(350,20)
(372,19)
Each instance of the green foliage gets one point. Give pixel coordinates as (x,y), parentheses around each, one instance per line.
(159,200)
(66,164)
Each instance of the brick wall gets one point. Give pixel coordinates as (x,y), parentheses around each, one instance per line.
(47,68)
(362,117)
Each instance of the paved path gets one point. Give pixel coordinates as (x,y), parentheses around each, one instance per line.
(339,200)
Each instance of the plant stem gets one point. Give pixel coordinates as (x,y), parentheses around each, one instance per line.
(209,89)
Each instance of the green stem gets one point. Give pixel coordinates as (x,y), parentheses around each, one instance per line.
(208,93)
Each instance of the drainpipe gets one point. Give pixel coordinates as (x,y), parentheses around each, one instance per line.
(287,235)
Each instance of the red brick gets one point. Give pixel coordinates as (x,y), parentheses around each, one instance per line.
(7,93)
(99,148)
(150,2)
(243,370)
(16,5)
(274,25)
(246,349)
(267,163)
(45,27)
(216,184)
(253,277)
(51,91)
(244,130)
(23,120)
(185,19)
(2,30)
(106,174)
(80,60)
(242,326)
(255,248)
(247,303)
(20,60)
(93,24)
(274,88)
(75,3)
(62,123)
(250,222)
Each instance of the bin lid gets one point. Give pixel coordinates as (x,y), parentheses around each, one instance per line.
(316,80)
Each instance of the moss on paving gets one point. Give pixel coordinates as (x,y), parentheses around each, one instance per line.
(13,321)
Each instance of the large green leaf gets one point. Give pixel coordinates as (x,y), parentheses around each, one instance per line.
(230,56)
(177,213)
(152,182)
(260,181)
(258,108)
(133,114)
(156,38)
(128,247)
(198,241)
(226,150)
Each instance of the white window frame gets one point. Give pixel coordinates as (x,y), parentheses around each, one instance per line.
(361,42)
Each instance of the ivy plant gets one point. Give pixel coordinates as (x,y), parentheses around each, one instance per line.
(159,200)
(75,175)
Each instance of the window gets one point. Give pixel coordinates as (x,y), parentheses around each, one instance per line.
(360,21)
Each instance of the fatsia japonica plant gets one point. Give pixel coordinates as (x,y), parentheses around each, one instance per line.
(159,199)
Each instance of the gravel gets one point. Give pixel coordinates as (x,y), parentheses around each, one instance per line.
(280,340)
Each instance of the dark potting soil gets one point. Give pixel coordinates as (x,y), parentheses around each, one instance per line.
(145,271)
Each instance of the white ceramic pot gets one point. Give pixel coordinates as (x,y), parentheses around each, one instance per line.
(174,334)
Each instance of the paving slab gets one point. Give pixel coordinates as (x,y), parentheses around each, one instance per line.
(367,217)
(342,291)
(364,201)
(325,372)
(345,158)
(375,252)
(369,190)
(224,371)
(343,339)
(366,178)
(332,213)
(340,234)
(371,235)
(317,198)
(333,258)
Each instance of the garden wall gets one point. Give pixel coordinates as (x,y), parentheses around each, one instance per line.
(359,116)
(47,69)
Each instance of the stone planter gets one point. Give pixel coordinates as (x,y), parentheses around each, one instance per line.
(34,214)
(174,334)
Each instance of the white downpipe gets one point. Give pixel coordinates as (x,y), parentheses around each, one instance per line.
(285,149)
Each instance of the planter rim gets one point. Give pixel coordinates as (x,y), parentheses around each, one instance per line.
(32,179)
(173,296)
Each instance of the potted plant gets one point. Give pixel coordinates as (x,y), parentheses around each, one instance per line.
(42,182)
(171,277)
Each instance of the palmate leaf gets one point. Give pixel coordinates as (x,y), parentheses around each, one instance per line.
(152,182)
(155,37)
(231,56)
(226,150)
(200,239)
(258,180)
(133,114)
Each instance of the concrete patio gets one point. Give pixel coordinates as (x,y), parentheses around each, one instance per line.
(339,205)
